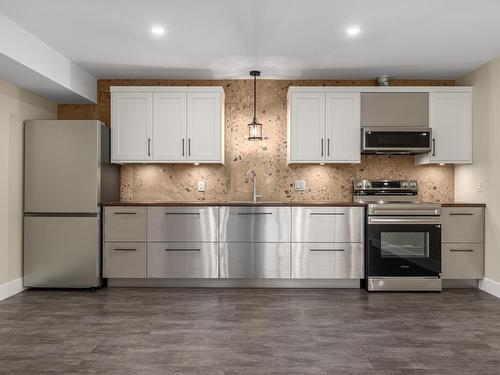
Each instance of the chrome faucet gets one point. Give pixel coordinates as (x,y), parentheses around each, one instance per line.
(252,175)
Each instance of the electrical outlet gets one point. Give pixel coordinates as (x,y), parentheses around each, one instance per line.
(202,185)
(480,186)
(300,185)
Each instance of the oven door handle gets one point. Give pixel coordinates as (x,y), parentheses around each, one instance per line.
(404,220)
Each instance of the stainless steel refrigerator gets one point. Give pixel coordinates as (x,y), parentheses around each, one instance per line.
(67,175)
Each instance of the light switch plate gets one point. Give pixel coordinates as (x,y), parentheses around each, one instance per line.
(300,185)
(201,185)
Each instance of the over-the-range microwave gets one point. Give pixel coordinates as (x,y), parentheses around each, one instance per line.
(396,140)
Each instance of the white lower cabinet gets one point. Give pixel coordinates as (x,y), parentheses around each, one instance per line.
(462,261)
(327,260)
(125,260)
(182,260)
(255,260)
(462,247)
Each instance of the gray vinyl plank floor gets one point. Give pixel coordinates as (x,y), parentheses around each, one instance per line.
(249,331)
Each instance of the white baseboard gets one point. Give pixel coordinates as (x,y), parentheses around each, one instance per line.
(12,287)
(490,286)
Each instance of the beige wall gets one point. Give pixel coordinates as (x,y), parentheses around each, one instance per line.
(16,105)
(267,158)
(485,170)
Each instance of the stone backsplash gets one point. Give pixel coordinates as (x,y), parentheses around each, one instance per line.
(268,158)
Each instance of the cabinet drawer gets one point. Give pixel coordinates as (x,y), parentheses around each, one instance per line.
(125,224)
(463,224)
(462,261)
(182,224)
(255,260)
(327,261)
(254,224)
(328,224)
(125,260)
(182,260)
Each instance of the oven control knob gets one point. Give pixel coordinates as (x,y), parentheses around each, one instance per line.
(404,184)
(413,184)
(359,185)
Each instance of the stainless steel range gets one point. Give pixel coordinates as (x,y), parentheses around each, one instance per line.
(403,237)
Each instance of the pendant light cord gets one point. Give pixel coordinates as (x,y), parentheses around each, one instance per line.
(254,98)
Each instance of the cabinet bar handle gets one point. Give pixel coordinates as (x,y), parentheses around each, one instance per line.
(327,213)
(124,249)
(189,146)
(183,141)
(125,213)
(149,146)
(327,250)
(433,147)
(462,250)
(461,214)
(182,249)
(182,213)
(322,147)
(328,147)
(254,213)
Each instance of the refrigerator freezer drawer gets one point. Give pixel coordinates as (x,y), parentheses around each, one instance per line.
(61,252)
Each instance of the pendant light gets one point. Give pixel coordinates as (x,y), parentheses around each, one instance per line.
(255,127)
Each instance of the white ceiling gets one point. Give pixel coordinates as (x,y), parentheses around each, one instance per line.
(283,38)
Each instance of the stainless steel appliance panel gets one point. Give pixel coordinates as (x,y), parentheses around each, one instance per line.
(462,261)
(254,224)
(404,284)
(255,260)
(409,109)
(328,224)
(125,224)
(404,209)
(463,224)
(62,166)
(61,251)
(327,261)
(124,260)
(183,260)
(182,224)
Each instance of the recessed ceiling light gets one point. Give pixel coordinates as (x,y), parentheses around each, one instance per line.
(353,31)
(157,30)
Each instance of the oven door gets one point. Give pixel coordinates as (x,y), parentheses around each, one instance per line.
(403,246)
(396,140)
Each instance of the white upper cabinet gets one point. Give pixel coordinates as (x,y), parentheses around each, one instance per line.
(306,127)
(343,127)
(204,127)
(450,117)
(167,124)
(131,114)
(323,127)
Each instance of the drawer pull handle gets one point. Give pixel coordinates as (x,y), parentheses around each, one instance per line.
(461,214)
(182,249)
(182,213)
(462,250)
(327,249)
(124,249)
(125,213)
(254,213)
(327,213)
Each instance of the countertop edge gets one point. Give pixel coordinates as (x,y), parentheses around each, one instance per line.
(236,204)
